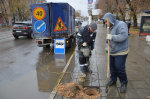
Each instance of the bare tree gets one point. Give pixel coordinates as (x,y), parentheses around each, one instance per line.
(133,7)
(37,1)
(20,8)
(113,6)
(119,7)
(106,6)
(137,6)
(3,8)
(77,14)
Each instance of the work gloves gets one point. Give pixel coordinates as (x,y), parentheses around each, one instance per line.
(109,37)
(90,53)
(106,50)
(84,44)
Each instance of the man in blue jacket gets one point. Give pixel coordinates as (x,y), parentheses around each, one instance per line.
(119,48)
(86,37)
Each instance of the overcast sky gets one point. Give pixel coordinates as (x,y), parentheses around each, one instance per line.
(77,4)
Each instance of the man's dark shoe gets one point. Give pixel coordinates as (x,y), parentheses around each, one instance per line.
(111,82)
(88,70)
(123,87)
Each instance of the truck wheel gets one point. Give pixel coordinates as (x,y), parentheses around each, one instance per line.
(74,39)
(70,42)
(47,46)
(32,36)
(16,37)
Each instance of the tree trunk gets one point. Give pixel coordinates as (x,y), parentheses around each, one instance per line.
(122,16)
(3,10)
(14,20)
(133,11)
(19,13)
(134,18)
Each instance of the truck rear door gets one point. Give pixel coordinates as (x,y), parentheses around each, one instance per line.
(40,20)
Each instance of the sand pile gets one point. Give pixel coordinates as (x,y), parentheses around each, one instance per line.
(74,90)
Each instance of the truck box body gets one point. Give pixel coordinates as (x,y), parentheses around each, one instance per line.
(58,21)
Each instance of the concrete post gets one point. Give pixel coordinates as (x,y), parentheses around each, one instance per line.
(90,19)
(90,16)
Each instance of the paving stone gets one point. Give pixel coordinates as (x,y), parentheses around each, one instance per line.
(129,85)
(58,96)
(131,76)
(147,83)
(77,69)
(91,80)
(75,75)
(68,77)
(113,91)
(65,98)
(103,82)
(93,66)
(95,82)
(102,75)
(110,98)
(139,84)
(103,91)
(143,93)
(129,94)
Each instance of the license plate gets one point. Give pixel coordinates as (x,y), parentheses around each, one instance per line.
(18,31)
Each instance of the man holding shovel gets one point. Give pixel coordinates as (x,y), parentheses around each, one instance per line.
(119,48)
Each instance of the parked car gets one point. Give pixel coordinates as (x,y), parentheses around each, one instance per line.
(22,29)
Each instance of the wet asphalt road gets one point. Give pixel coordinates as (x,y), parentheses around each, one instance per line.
(26,70)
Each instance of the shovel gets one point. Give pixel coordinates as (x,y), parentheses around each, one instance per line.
(108,58)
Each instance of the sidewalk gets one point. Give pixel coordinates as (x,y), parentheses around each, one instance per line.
(137,67)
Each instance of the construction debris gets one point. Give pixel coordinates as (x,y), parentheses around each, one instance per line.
(74,90)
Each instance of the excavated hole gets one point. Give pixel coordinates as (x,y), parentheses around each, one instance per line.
(91,92)
(74,90)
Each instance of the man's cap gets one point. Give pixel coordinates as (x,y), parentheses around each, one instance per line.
(93,26)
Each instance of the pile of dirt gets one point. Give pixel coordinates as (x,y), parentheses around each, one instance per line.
(74,90)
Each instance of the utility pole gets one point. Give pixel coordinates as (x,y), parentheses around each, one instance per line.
(90,16)
(90,5)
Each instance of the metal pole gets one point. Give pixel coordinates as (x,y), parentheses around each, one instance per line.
(90,10)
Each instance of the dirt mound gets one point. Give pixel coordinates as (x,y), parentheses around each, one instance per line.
(74,90)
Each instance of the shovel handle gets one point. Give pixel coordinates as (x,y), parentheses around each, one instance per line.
(108,56)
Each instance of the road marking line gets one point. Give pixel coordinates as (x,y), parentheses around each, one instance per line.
(53,93)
